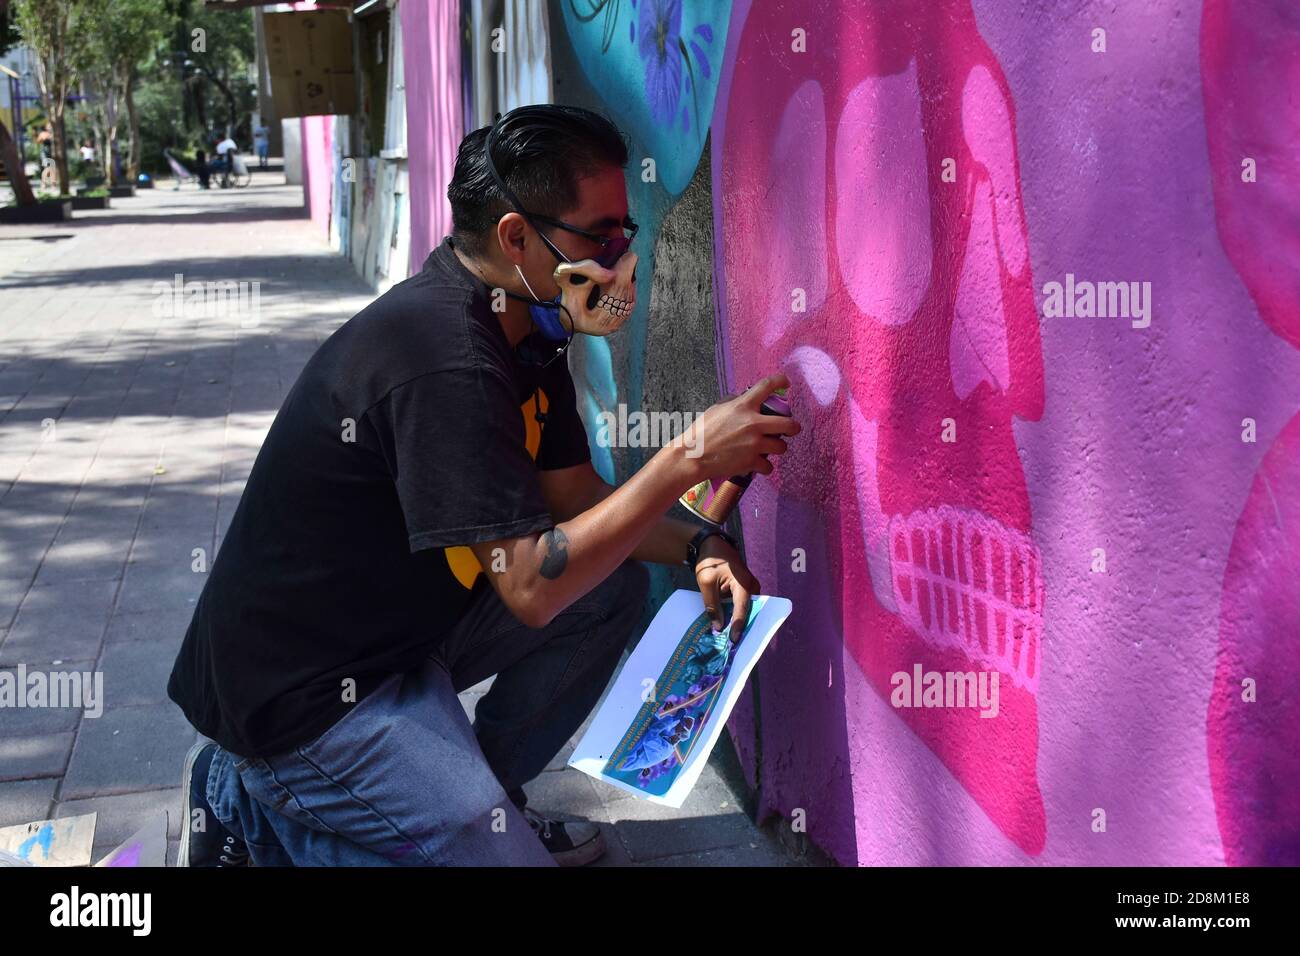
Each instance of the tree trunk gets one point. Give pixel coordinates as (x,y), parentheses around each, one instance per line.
(14,167)
(101,144)
(60,146)
(133,126)
(110,145)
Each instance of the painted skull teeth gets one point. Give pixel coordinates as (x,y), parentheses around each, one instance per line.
(959,578)
(618,308)
(613,304)
(965,581)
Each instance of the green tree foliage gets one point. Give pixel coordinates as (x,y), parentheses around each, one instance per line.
(59,32)
(213,50)
(128,37)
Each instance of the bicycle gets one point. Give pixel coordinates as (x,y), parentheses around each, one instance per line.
(235,173)
(49,173)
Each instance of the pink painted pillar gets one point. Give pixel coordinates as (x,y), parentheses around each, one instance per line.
(317,176)
(434,126)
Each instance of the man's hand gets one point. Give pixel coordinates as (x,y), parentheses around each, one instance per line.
(721,570)
(734,437)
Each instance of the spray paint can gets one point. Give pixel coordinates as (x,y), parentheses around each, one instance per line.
(715,498)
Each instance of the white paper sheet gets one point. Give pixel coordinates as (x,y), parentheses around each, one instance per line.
(655,730)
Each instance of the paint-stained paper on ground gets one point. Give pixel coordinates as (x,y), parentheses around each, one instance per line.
(658,724)
(64,842)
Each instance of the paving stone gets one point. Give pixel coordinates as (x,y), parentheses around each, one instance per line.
(747,854)
(123,814)
(67,620)
(616,854)
(23,801)
(187,514)
(167,624)
(566,795)
(129,749)
(94,559)
(34,721)
(26,538)
(160,586)
(709,818)
(136,672)
(105,513)
(650,834)
(28,757)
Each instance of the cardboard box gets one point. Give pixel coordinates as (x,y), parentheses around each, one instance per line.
(309,58)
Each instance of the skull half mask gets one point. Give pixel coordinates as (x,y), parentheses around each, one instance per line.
(599,300)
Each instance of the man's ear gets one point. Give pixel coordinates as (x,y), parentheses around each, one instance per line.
(512,235)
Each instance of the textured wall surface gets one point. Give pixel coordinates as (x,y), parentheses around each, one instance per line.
(431,57)
(1250,70)
(1097,531)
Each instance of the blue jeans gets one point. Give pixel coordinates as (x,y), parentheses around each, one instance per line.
(404,779)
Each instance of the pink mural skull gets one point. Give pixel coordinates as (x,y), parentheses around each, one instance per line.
(877,251)
(1250,70)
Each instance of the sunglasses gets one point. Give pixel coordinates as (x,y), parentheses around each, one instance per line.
(612,248)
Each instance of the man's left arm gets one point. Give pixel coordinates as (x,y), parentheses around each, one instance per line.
(571,491)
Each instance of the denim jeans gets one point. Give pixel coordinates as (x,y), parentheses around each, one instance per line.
(404,779)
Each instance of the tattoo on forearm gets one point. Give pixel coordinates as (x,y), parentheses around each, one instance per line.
(557,554)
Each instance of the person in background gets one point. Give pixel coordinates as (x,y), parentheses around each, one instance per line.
(226,150)
(201,164)
(262,143)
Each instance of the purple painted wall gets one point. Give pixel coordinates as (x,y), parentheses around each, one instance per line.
(318,168)
(1250,71)
(925,288)
(434,126)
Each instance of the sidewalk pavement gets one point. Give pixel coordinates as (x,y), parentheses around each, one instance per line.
(125,440)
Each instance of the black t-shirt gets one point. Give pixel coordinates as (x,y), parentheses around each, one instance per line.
(411,433)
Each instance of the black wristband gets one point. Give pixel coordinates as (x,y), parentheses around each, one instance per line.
(693,548)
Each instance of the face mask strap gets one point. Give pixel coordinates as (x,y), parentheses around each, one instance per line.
(526,285)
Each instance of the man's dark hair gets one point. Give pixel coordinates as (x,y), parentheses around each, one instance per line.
(542,152)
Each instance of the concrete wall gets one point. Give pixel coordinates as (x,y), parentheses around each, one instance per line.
(291,137)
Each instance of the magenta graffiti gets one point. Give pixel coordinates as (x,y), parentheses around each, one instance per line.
(877,249)
(1250,64)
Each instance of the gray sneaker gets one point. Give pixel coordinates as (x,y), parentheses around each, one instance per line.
(214,846)
(570,843)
